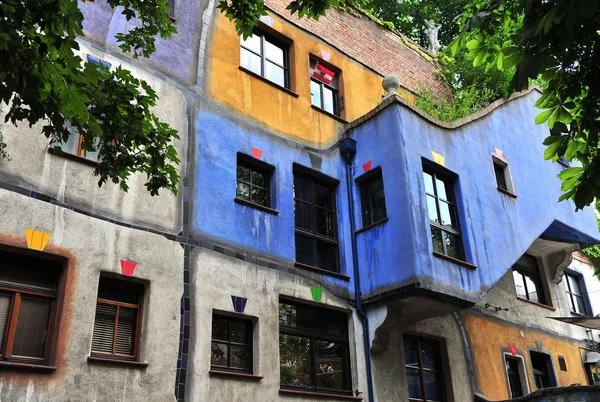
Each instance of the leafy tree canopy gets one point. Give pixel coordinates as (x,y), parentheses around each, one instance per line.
(43,79)
(555,42)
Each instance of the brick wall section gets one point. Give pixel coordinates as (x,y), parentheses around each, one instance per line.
(369,43)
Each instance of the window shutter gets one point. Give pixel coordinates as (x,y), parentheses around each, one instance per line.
(32,328)
(126,331)
(104,328)
(4,310)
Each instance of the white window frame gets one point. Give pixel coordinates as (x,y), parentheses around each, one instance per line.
(522,373)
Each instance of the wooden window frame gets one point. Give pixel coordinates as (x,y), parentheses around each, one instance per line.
(138,329)
(422,369)
(453,208)
(314,335)
(570,275)
(259,167)
(312,234)
(281,44)
(366,197)
(250,345)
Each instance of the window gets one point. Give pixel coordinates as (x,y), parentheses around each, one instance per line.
(443,215)
(253,181)
(28,297)
(575,293)
(562,159)
(517,382)
(372,198)
(74,145)
(528,280)
(313,349)
(423,369)
(231,347)
(324,88)
(266,56)
(315,222)
(541,366)
(172,9)
(117,326)
(503,177)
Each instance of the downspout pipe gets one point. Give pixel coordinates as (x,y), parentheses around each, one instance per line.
(348,150)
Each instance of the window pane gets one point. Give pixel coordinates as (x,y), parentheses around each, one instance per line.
(259,196)
(324,222)
(579,305)
(432,209)
(315,93)
(258,179)
(429,355)
(250,61)
(411,352)
(445,214)
(436,238)
(294,360)
(428,183)
(252,43)
(273,53)
(303,215)
(433,386)
(574,284)
(328,100)
(375,184)
(326,256)
(274,73)
(218,354)
(4,311)
(313,318)
(126,331)
(304,250)
(452,245)
(500,176)
(302,188)
(442,191)
(532,289)
(323,196)
(379,204)
(104,328)
(240,357)
(243,191)
(287,314)
(519,284)
(414,383)
(239,332)
(243,173)
(329,365)
(32,328)
(220,329)
(113,289)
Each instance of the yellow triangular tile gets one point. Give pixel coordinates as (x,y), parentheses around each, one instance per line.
(439,159)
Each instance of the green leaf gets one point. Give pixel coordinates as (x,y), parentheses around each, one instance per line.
(544,116)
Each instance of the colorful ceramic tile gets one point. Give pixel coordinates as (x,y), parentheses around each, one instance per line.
(239,303)
(499,153)
(265,19)
(128,267)
(316,293)
(367,166)
(36,240)
(439,159)
(257,153)
(325,55)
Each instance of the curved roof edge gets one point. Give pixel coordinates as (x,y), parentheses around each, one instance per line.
(391,99)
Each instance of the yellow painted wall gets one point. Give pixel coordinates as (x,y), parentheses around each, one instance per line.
(489,339)
(277,110)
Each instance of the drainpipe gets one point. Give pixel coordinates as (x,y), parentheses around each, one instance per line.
(348,149)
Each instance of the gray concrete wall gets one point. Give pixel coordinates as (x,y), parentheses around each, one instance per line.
(72,182)
(92,247)
(215,278)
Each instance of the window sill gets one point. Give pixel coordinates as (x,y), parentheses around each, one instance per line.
(129,363)
(257,206)
(578,314)
(313,394)
(454,260)
(30,366)
(506,192)
(333,116)
(537,304)
(71,156)
(233,374)
(260,77)
(322,271)
(372,225)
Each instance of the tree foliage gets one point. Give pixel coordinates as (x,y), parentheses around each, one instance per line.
(43,79)
(556,42)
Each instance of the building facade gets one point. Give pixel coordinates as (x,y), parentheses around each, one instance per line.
(330,241)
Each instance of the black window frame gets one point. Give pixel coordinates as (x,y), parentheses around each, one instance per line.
(277,42)
(572,275)
(18,291)
(249,345)
(367,197)
(312,234)
(334,86)
(535,275)
(541,373)
(421,369)
(260,167)
(315,335)
(500,173)
(450,181)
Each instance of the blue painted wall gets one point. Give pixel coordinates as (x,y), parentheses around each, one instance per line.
(496,228)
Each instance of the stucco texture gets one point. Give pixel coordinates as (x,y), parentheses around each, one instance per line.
(490,339)
(288,116)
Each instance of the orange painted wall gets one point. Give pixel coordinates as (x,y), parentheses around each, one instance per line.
(289,116)
(489,339)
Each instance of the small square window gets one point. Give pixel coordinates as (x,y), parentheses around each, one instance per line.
(324,87)
(372,198)
(231,347)
(253,181)
(117,325)
(543,373)
(503,177)
(267,57)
